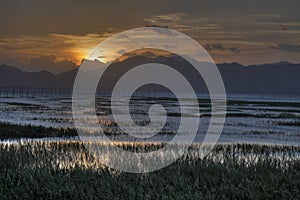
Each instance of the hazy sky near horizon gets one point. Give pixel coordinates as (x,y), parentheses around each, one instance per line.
(55,32)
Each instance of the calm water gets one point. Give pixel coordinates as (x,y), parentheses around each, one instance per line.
(250,118)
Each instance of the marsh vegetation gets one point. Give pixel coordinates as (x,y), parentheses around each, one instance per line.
(65,169)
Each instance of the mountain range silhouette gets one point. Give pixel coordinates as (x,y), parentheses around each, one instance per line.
(281,78)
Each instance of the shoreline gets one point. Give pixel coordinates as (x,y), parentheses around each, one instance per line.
(15,132)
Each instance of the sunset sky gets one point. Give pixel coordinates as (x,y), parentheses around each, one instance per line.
(54,35)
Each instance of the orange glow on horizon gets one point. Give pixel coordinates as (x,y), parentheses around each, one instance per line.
(79,54)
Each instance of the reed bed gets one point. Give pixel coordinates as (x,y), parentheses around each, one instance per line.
(65,169)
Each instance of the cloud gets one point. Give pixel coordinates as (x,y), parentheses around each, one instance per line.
(268,16)
(63,46)
(163,31)
(220,47)
(49,63)
(122,51)
(182,22)
(165,19)
(287,47)
(207,47)
(234,50)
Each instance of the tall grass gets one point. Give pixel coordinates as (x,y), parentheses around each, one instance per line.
(65,169)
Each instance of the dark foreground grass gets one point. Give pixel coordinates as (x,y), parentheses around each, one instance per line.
(64,170)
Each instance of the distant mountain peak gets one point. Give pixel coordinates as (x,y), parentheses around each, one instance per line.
(231,64)
(283,63)
(277,78)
